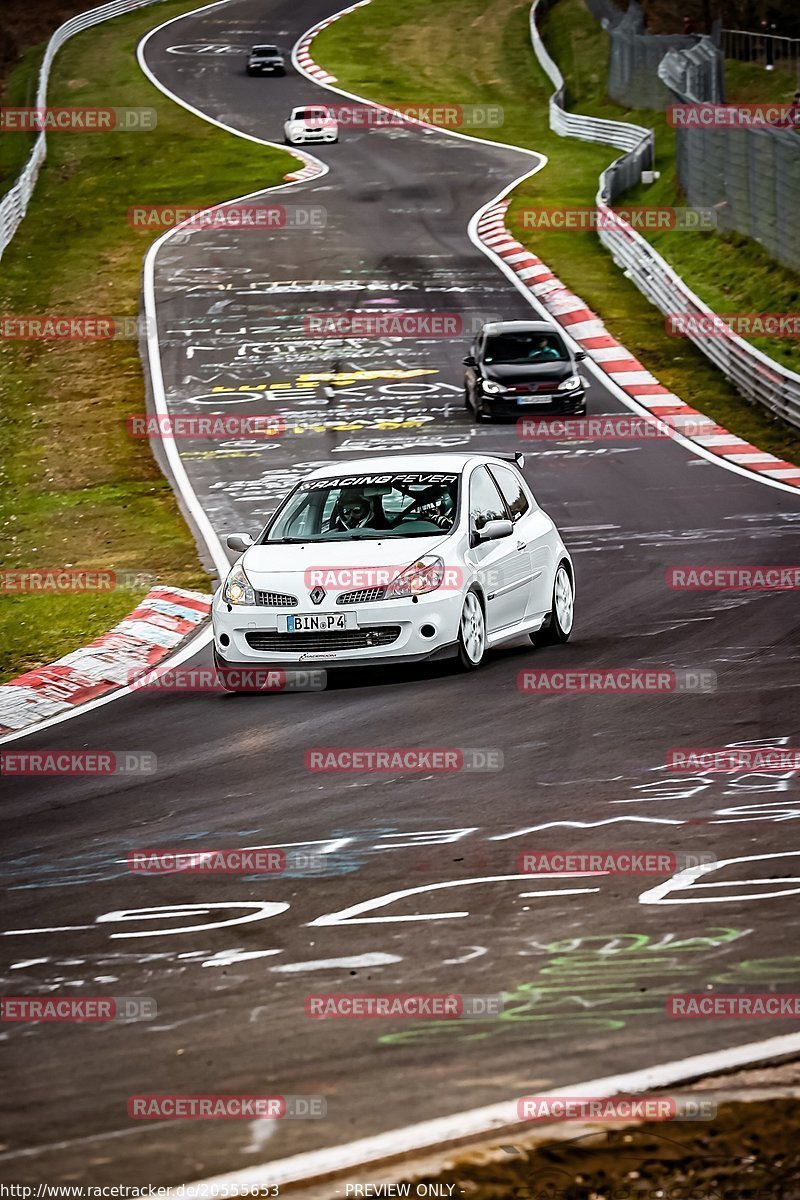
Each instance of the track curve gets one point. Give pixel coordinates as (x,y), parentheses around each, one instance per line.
(586,971)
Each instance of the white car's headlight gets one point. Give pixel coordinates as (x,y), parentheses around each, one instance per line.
(571,384)
(238,589)
(424,575)
(491,387)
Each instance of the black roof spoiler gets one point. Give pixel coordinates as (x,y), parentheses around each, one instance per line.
(517,459)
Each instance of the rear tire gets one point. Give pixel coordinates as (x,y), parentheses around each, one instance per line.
(471,633)
(558,625)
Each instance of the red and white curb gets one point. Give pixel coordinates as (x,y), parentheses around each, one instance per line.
(301,52)
(156,627)
(313,167)
(589,331)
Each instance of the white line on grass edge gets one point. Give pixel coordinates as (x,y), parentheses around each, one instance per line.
(519,284)
(475,1123)
(188,494)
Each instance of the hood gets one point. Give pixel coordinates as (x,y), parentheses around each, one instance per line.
(528,372)
(266,57)
(263,563)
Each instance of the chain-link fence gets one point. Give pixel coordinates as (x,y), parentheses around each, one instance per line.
(750,176)
(633,78)
(765,49)
(759,378)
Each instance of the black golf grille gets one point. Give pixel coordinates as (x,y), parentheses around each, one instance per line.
(276,600)
(365,596)
(334,639)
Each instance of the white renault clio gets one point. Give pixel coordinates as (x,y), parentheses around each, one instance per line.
(396,560)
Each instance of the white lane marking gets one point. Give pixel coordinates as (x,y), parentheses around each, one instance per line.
(475,952)
(483,1122)
(351,914)
(226,958)
(685,881)
(328,964)
(204,526)
(50,1147)
(569,332)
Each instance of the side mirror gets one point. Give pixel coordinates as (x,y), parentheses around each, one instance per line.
(491,531)
(579,355)
(239,541)
(470,361)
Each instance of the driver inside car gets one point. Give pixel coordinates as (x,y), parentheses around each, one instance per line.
(351,511)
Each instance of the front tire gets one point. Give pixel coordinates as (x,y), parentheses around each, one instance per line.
(471,633)
(558,627)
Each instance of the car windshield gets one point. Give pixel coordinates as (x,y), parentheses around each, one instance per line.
(525,348)
(311,114)
(266,50)
(356,507)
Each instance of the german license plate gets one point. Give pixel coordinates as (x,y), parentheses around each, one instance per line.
(320,622)
(522,400)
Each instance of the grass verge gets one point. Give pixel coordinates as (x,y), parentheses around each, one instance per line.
(478,51)
(76,490)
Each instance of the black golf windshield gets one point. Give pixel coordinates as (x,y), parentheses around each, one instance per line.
(368,507)
(271,50)
(525,348)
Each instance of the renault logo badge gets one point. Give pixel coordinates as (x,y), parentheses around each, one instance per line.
(318,595)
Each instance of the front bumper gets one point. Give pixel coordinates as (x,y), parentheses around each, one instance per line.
(266,68)
(301,139)
(541,405)
(401,621)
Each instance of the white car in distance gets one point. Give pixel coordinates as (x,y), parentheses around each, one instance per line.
(311,123)
(395,559)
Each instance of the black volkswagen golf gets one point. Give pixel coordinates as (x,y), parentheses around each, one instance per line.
(516,367)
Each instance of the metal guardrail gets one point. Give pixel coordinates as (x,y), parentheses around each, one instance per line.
(14,204)
(764,49)
(638,142)
(757,376)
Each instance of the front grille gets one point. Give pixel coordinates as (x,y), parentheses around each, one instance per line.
(336,639)
(530,389)
(365,596)
(276,600)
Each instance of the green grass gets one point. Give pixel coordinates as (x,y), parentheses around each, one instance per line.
(19,92)
(478,51)
(75,489)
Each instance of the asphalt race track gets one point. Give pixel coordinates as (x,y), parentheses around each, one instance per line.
(584,962)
